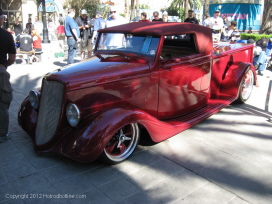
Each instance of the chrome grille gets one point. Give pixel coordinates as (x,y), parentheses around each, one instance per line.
(49,112)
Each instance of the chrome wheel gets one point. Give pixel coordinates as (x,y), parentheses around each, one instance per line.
(246,87)
(122,144)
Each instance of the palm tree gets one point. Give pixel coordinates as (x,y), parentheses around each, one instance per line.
(192,4)
(266,27)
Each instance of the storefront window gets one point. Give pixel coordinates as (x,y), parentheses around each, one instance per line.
(13,10)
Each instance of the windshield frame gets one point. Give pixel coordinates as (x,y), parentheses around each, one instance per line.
(147,46)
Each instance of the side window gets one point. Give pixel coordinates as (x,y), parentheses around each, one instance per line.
(178,46)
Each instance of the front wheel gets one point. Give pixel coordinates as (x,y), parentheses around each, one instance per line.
(122,144)
(246,87)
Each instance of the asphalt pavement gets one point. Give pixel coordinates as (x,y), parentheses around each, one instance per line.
(225,159)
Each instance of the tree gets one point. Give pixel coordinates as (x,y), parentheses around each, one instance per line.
(178,5)
(90,5)
(266,26)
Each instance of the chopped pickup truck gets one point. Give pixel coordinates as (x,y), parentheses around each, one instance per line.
(160,77)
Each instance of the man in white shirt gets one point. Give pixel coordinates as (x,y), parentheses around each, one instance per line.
(217,25)
(38,25)
(113,40)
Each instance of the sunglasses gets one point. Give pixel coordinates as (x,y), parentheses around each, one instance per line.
(113,12)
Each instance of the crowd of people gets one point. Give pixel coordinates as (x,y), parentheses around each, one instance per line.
(81,31)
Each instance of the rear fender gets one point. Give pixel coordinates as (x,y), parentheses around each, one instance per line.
(233,76)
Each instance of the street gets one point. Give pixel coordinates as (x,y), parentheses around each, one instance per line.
(225,159)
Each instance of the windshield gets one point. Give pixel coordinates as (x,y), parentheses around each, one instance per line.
(138,44)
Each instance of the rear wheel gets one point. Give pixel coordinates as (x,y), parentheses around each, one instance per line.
(122,144)
(246,87)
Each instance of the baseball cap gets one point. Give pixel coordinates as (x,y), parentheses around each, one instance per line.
(251,41)
(83,11)
(216,11)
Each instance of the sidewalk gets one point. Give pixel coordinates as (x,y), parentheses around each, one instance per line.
(225,159)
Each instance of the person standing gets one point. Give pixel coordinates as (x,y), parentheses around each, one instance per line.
(99,23)
(217,25)
(29,25)
(84,23)
(206,21)
(72,34)
(61,35)
(38,25)
(144,17)
(7,58)
(113,40)
(51,30)
(156,16)
(17,27)
(191,17)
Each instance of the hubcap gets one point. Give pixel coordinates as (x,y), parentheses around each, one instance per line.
(247,84)
(123,143)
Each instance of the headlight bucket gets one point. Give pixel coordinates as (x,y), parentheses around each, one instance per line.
(34,99)
(72,114)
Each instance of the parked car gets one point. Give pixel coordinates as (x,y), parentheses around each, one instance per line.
(161,77)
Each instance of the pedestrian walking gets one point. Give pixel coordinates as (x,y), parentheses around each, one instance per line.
(84,23)
(72,34)
(7,58)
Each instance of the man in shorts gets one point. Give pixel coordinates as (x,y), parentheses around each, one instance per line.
(84,25)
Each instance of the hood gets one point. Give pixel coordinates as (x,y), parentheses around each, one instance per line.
(97,71)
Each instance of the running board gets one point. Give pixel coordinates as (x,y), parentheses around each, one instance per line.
(171,127)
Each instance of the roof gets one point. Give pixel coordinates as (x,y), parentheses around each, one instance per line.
(203,34)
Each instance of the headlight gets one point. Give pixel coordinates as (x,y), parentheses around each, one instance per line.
(34,99)
(72,114)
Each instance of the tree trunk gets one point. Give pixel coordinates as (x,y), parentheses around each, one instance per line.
(266,27)
(186,9)
(132,13)
(137,8)
(126,9)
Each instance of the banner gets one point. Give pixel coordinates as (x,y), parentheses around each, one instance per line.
(245,14)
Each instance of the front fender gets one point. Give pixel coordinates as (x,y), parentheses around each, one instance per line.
(233,76)
(92,136)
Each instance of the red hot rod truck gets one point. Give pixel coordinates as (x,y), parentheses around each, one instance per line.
(163,77)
